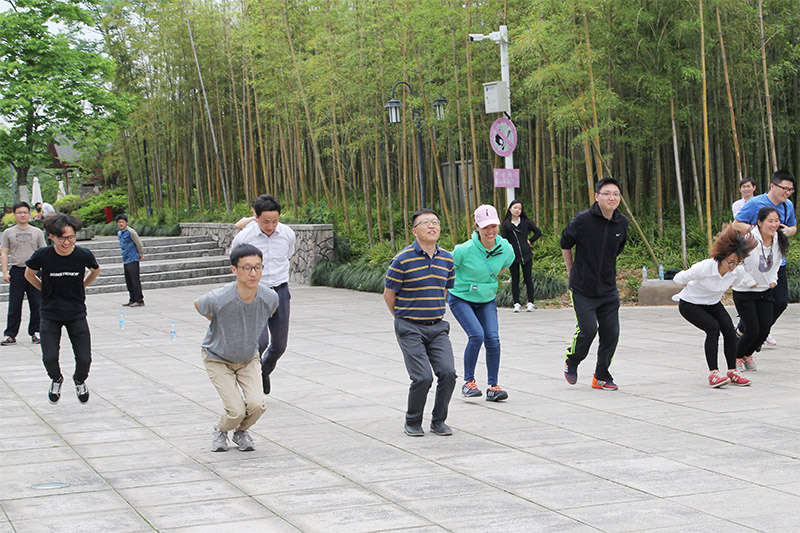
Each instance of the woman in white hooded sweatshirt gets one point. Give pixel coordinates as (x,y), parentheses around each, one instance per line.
(753,297)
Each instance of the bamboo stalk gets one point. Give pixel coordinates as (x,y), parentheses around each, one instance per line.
(678,179)
(706,147)
(766,87)
(730,99)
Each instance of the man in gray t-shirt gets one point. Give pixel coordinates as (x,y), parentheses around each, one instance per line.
(18,244)
(238,312)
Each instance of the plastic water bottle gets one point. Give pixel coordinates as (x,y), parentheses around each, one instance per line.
(661,272)
(121,320)
(172,333)
(644,274)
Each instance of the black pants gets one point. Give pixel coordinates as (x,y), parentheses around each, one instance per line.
(713,319)
(276,333)
(755,313)
(425,348)
(526,274)
(780,294)
(132,282)
(595,316)
(79,336)
(19,287)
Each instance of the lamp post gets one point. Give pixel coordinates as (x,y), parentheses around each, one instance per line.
(394,106)
(501,37)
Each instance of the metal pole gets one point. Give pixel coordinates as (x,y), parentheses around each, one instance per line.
(147,178)
(416,113)
(506,77)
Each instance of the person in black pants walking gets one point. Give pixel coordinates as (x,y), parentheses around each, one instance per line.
(598,236)
(515,229)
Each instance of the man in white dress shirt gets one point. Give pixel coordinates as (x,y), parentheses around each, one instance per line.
(277,244)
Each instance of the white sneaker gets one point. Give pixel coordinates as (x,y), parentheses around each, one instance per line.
(770,341)
(219,441)
(529,308)
(517,308)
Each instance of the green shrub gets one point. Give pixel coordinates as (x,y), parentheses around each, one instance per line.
(8,219)
(68,204)
(356,276)
(545,287)
(92,210)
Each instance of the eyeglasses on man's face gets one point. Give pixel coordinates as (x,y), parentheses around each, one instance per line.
(427,223)
(789,190)
(66,238)
(247,269)
(609,194)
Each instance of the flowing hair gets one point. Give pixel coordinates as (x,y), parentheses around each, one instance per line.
(729,241)
(522,214)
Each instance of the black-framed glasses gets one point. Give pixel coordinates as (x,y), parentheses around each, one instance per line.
(789,190)
(733,263)
(247,269)
(66,238)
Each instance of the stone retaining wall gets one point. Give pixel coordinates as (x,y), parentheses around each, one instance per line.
(314,242)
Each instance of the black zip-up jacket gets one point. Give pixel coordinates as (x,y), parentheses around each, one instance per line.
(518,237)
(597,242)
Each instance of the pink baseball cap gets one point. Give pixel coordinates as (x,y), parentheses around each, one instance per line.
(486,215)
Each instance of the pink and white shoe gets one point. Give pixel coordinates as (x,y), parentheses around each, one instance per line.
(770,341)
(716,380)
(740,365)
(737,379)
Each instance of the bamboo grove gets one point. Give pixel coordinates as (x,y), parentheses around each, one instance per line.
(676,99)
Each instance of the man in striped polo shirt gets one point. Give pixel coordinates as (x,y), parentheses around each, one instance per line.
(416,287)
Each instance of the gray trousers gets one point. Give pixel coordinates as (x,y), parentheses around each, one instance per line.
(427,351)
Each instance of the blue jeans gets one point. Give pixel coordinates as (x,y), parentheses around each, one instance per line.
(479,322)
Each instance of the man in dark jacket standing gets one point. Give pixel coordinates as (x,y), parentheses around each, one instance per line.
(598,236)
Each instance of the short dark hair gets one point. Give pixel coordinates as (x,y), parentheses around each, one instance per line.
(606,181)
(782,175)
(123,216)
(37,205)
(55,224)
(747,180)
(783,240)
(20,204)
(244,250)
(423,211)
(266,202)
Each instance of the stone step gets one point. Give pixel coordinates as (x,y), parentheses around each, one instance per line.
(103,242)
(161,284)
(164,256)
(164,275)
(198,247)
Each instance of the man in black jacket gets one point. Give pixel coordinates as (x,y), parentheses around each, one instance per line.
(598,236)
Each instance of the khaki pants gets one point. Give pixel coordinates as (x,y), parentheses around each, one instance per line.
(240,412)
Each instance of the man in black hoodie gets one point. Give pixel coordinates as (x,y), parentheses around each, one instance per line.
(598,236)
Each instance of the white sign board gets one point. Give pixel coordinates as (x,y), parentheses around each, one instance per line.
(495,96)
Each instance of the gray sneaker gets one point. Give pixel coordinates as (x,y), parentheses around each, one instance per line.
(243,441)
(219,441)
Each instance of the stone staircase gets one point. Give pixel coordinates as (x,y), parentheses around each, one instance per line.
(168,262)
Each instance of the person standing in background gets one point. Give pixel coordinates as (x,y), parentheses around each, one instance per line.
(18,244)
(515,229)
(132,249)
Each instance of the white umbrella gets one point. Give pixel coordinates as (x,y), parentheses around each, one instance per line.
(61,192)
(37,192)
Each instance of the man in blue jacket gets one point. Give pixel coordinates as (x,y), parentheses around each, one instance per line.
(131,246)
(598,236)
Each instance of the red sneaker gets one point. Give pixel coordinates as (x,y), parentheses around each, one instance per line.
(737,379)
(716,380)
(604,385)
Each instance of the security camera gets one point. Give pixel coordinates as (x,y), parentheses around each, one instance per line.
(476,37)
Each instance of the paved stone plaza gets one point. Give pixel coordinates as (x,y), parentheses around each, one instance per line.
(664,453)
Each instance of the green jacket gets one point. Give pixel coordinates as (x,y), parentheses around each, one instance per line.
(477,268)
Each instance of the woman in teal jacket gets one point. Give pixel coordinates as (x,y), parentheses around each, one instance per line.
(472,300)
